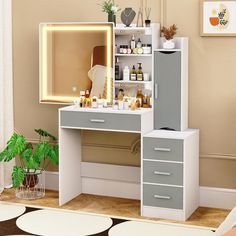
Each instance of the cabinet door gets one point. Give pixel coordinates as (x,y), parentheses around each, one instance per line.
(167,89)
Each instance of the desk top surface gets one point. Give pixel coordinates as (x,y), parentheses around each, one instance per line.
(141,111)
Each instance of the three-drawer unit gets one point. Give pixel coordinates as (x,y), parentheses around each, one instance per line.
(170,174)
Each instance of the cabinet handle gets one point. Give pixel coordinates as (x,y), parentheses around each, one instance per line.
(156,90)
(161,173)
(97,121)
(162,197)
(162,149)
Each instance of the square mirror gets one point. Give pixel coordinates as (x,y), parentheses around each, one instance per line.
(75,57)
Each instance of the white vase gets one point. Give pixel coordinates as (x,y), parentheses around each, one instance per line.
(169,44)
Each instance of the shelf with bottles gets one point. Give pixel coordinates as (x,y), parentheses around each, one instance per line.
(132,82)
(133,55)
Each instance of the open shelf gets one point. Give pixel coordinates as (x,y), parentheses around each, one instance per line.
(132,82)
(133,55)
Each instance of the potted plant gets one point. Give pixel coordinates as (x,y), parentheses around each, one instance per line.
(33,160)
(168,34)
(111,9)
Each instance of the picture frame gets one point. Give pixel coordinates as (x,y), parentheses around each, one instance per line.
(218,17)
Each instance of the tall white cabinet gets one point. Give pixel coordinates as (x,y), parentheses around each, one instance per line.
(170,153)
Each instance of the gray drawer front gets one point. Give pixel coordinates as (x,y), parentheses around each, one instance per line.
(163,173)
(94,120)
(163,196)
(163,149)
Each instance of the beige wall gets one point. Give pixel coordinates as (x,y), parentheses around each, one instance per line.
(212,84)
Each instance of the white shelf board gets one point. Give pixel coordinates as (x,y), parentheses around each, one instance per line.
(132,82)
(133,55)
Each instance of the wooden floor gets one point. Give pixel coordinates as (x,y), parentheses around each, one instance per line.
(116,207)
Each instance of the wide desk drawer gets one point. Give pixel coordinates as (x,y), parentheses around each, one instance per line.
(103,121)
(163,173)
(163,149)
(163,196)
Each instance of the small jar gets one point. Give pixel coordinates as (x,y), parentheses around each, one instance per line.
(125,50)
(120,105)
(121,49)
(94,102)
(129,51)
(146,49)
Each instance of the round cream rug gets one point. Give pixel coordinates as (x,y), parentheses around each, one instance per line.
(8,212)
(60,223)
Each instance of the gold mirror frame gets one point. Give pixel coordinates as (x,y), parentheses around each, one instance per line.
(44,28)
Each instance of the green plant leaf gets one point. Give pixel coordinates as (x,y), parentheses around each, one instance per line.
(44,133)
(53,154)
(15,146)
(18,176)
(41,152)
(26,154)
(32,164)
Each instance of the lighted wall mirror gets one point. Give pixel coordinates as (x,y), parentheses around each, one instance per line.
(75,57)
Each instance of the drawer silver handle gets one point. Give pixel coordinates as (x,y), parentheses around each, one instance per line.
(162,149)
(162,173)
(162,197)
(97,121)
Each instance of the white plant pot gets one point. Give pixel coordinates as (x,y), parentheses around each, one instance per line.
(169,44)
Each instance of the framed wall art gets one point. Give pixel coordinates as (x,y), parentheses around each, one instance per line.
(218,17)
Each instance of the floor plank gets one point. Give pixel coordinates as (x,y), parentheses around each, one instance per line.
(208,217)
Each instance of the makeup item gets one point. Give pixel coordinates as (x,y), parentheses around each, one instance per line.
(140,97)
(116,49)
(135,51)
(140,51)
(100,101)
(129,50)
(150,48)
(87,93)
(77,103)
(94,102)
(126,73)
(120,95)
(133,43)
(118,69)
(121,49)
(126,103)
(121,105)
(146,49)
(115,104)
(140,72)
(125,49)
(82,98)
(146,77)
(133,74)
(104,103)
(139,43)
(133,106)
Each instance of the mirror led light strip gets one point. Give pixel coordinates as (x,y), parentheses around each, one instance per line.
(45,28)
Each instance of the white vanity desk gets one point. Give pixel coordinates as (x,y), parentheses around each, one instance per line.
(71,121)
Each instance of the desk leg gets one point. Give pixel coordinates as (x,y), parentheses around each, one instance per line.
(70,184)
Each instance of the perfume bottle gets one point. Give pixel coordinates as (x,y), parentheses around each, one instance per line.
(133,43)
(133,74)
(118,70)
(139,43)
(140,72)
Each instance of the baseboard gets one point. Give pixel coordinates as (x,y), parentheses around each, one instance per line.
(217,197)
(209,197)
